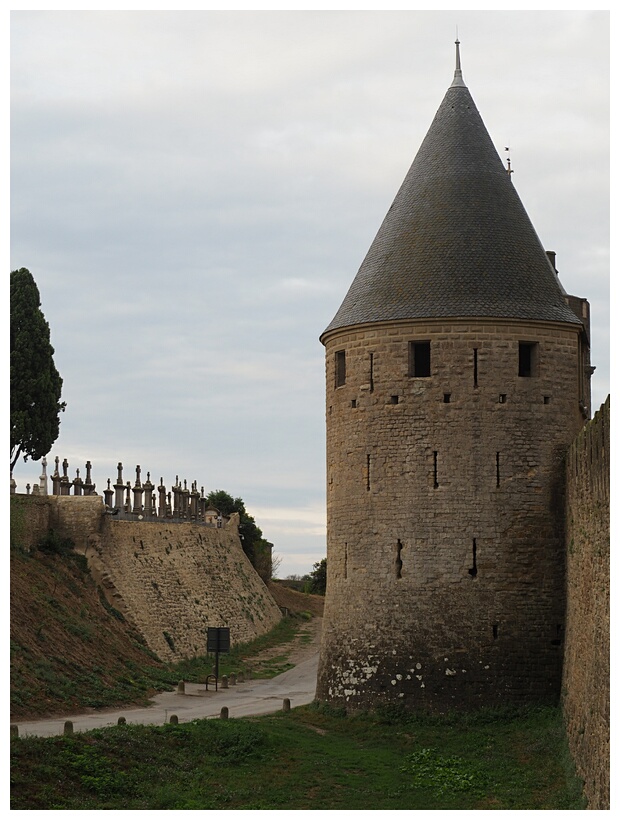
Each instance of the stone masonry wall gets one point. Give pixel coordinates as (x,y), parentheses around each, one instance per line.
(445,514)
(586,658)
(169,580)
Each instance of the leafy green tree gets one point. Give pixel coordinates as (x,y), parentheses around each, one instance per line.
(35,383)
(255,546)
(318,577)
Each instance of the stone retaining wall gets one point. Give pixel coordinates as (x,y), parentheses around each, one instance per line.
(170,580)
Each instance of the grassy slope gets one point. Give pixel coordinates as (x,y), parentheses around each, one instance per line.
(70,650)
(309,758)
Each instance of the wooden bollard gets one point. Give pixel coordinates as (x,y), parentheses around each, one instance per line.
(174,720)
(286,705)
(68,727)
(14,730)
(233,679)
(224,713)
(181,687)
(122,721)
(224,682)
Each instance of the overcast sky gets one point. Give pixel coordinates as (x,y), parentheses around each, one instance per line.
(194,192)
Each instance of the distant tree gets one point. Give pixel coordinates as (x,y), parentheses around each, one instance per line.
(35,383)
(276,563)
(318,577)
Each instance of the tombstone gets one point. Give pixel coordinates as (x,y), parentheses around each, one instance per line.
(185,501)
(193,503)
(78,484)
(122,721)
(224,713)
(286,705)
(43,477)
(35,489)
(233,679)
(56,478)
(128,497)
(14,730)
(27,489)
(224,682)
(240,677)
(162,498)
(174,720)
(89,487)
(119,488)
(176,489)
(13,485)
(148,497)
(68,730)
(65,483)
(181,687)
(137,493)
(108,495)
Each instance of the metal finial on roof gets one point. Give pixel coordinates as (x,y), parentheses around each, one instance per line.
(509,170)
(458,74)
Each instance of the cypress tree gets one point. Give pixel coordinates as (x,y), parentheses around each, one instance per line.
(35,383)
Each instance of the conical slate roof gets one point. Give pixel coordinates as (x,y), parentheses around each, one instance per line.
(457,240)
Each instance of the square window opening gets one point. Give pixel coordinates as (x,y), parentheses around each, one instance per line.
(420,359)
(528,359)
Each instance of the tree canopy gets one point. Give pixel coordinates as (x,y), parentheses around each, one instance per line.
(319,577)
(257,548)
(36,385)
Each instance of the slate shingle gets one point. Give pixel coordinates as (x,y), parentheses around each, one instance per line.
(457,241)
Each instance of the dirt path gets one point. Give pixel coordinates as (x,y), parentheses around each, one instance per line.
(253,697)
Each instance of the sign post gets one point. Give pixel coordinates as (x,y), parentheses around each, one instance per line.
(218,640)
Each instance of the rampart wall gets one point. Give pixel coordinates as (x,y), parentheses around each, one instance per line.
(171,580)
(585,687)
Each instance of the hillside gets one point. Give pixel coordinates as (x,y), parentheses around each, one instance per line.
(70,648)
(296,602)
(65,636)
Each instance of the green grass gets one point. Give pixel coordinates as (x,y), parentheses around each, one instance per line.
(243,657)
(310,758)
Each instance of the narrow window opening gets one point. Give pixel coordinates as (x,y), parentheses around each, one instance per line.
(393,399)
(435,482)
(420,359)
(495,631)
(341,368)
(368,471)
(353,402)
(502,398)
(446,398)
(546,399)
(399,560)
(497,469)
(372,372)
(527,359)
(475,367)
(474,569)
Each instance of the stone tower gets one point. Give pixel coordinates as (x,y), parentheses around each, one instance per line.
(457,374)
